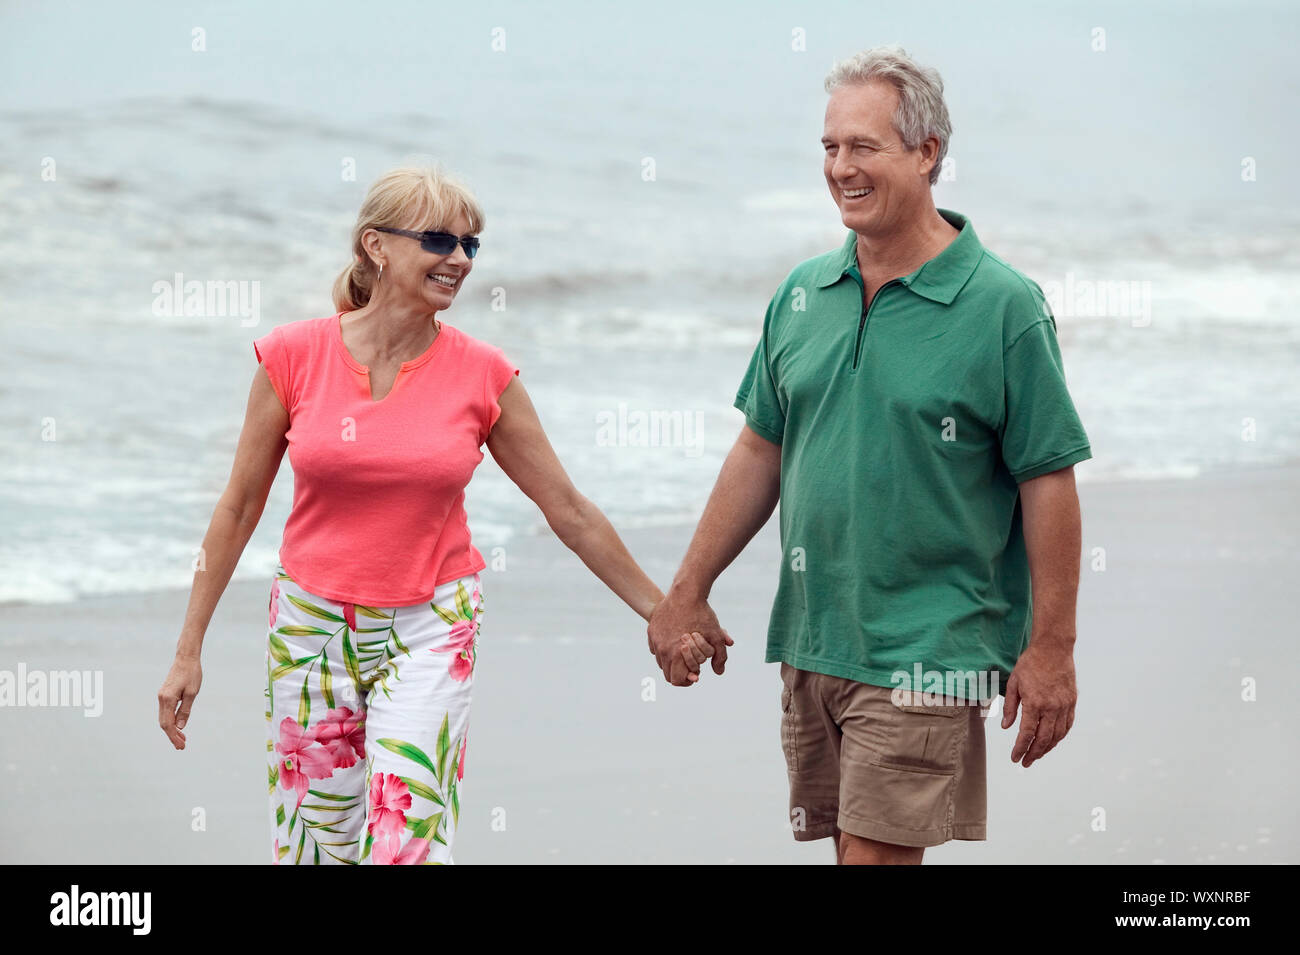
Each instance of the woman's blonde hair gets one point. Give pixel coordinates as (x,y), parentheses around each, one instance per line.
(422,198)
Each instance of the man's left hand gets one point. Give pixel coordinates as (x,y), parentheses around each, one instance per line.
(1042,686)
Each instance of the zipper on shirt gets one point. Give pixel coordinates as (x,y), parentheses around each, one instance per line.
(862,322)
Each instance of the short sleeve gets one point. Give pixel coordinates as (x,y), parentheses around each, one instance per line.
(500,371)
(757,396)
(1041,431)
(271,352)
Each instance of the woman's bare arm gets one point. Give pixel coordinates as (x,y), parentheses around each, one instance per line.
(257,460)
(519,445)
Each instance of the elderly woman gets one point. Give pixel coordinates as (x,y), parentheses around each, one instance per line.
(376,602)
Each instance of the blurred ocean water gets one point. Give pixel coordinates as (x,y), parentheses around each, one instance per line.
(649,177)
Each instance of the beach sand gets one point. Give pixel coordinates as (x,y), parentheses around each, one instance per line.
(567,761)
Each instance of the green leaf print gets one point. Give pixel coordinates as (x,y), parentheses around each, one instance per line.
(322,827)
(462,602)
(309,607)
(304,704)
(302,840)
(296,630)
(399,645)
(411,752)
(291,666)
(279,815)
(317,844)
(455,805)
(333,796)
(284,851)
(350,659)
(365,850)
(444,745)
(420,789)
(278,650)
(326,682)
(371,612)
(445,614)
(426,828)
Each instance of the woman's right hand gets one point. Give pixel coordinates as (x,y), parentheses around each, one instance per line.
(694,651)
(177,697)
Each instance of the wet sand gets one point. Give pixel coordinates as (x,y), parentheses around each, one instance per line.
(564,749)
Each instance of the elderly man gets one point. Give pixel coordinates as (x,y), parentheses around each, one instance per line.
(907,406)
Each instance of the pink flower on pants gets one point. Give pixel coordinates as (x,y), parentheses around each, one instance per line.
(389,798)
(350,615)
(301,758)
(275,601)
(343,734)
(461,643)
(384,852)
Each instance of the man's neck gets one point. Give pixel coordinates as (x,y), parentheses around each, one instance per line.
(906,250)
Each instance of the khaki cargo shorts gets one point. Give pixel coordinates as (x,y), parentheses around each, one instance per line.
(910,775)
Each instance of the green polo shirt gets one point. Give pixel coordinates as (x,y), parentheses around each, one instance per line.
(905,430)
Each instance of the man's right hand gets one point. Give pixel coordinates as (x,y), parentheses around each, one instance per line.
(682,611)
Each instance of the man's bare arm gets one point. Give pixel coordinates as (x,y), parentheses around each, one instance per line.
(742,500)
(1042,683)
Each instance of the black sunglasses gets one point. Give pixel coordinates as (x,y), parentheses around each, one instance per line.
(439,243)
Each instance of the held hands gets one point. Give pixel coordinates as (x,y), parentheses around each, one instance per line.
(693,650)
(683,633)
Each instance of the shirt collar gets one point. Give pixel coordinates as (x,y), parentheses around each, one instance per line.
(939,280)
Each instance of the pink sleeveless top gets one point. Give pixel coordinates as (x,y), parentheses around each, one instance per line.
(378,513)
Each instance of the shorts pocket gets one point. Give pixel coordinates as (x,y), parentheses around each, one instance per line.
(948,711)
(915,703)
(925,739)
(789,726)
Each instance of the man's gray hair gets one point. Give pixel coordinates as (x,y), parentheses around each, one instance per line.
(921,111)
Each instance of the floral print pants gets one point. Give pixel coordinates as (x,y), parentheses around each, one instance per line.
(367,710)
